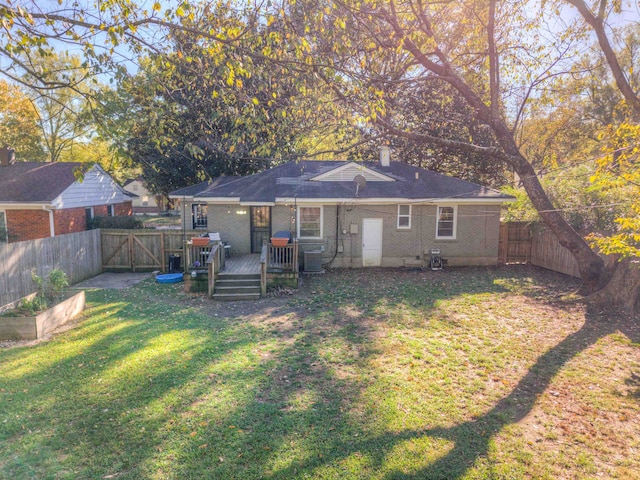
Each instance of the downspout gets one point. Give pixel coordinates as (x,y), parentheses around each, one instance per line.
(335,251)
(52,225)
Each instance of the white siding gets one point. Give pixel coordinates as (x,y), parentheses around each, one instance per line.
(97,188)
(139,189)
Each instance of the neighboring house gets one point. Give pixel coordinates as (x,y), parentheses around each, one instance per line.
(143,201)
(39,200)
(372,214)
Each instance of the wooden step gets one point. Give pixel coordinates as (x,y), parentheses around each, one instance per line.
(232,297)
(239,276)
(228,282)
(230,287)
(237,289)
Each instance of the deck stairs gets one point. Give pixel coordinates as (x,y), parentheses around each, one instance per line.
(237,286)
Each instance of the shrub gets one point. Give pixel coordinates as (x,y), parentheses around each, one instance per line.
(126,222)
(48,291)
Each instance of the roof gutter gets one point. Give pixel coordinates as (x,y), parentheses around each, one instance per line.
(24,205)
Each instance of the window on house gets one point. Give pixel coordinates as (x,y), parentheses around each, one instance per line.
(88,215)
(111,211)
(447,222)
(4,231)
(199,214)
(404,216)
(309,222)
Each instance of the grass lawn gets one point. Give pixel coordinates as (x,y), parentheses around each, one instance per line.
(163,221)
(463,373)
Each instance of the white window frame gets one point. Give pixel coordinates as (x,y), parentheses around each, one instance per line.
(321,221)
(194,224)
(455,222)
(6,227)
(404,215)
(111,210)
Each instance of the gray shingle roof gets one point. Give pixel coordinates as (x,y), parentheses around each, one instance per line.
(35,182)
(193,190)
(293,180)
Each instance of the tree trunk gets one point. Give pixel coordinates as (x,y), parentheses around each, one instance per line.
(623,290)
(590,264)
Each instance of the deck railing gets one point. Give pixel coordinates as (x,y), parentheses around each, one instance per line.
(282,259)
(197,256)
(215,263)
(275,260)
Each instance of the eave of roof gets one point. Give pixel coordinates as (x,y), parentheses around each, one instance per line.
(293,181)
(194,190)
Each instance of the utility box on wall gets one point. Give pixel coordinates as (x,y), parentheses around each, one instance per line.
(353,228)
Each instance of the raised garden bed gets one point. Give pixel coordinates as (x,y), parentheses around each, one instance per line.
(31,327)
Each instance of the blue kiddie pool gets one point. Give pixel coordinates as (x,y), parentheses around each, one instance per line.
(169,278)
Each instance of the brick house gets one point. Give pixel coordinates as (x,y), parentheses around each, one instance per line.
(39,200)
(382,213)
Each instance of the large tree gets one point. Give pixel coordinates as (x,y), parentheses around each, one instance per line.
(203,111)
(63,112)
(19,124)
(489,52)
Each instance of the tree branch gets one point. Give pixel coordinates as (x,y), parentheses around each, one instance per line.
(465,147)
(597,23)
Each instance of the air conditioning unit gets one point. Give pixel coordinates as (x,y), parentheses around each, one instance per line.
(313,261)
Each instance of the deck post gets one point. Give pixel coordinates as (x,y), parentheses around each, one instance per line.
(213,267)
(263,270)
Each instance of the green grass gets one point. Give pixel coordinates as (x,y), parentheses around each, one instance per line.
(469,373)
(152,221)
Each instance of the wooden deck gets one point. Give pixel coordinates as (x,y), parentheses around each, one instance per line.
(243,264)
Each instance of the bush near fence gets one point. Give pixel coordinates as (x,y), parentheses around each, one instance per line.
(122,221)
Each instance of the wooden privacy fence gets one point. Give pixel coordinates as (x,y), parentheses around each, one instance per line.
(547,252)
(76,254)
(142,250)
(522,242)
(514,245)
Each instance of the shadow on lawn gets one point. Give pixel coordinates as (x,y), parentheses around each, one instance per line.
(288,413)
(471,439)
(99,425)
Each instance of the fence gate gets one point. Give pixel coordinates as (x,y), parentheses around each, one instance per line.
(140,250)
(515,243)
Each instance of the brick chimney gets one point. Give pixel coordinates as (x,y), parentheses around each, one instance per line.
(7,156)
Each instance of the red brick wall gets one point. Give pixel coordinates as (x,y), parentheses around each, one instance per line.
(32,224)
(70,220)
(124,208)
(27,224)
(100,211)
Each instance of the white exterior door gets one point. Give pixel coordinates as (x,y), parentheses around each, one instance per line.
(371,242)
